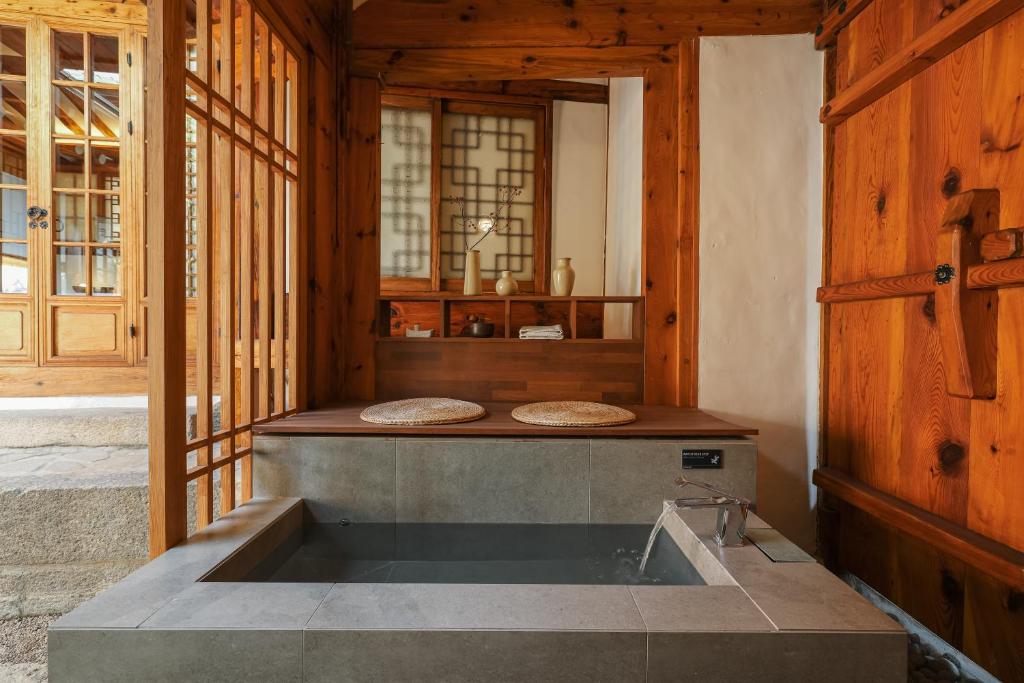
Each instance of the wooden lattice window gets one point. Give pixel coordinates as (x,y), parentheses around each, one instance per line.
(241,221)
(434,148)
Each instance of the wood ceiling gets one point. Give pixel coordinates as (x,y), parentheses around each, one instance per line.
(407,24)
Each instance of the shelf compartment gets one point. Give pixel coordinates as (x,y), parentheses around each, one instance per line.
(583,318)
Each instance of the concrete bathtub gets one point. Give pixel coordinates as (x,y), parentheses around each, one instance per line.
(215,608)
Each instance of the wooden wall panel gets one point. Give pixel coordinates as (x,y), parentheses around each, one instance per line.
(945,111)
(514,370)
(997,448)
(888,421)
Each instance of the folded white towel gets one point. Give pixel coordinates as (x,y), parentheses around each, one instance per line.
(541,332)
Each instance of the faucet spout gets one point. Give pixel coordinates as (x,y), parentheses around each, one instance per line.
(732,511)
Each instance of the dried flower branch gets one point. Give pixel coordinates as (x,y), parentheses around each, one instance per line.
(507,195)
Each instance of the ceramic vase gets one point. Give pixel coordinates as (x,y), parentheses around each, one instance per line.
(506,284)
(563,278)
(471,284)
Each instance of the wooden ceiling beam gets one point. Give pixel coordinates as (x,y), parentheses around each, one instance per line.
(546,89)
(509,63)
(572,23)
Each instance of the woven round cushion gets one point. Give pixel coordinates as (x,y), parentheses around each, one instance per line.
(423,411)
(572,414)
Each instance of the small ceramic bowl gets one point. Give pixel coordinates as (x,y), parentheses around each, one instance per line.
(481,329)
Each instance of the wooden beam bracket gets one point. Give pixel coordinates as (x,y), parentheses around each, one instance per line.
(967,319)
(966,303)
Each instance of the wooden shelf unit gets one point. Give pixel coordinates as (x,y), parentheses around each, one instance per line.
(571,308)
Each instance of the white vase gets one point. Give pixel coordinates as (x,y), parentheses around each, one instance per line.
(471,283)
(506,284)
(563,278)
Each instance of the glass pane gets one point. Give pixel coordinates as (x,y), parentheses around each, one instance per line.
(69,56)
(13,105)
(105,113)
(106,271)
(69,165)
(483,159)
(291,90)
(13,214)
(405,209)
(191,274)
(13,268)
(68,217)
(191,37)
(106,167)
(12,50)
(70,271)
(69,110)
(105,59)
(13,160)
(106,218)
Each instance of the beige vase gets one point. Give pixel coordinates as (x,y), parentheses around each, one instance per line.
(506,284)
(563,278)
(471,284)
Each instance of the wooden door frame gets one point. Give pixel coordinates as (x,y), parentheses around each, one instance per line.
(671,189)
(42,305)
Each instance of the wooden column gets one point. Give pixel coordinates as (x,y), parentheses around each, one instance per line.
(360,237)
(670,219)
(165,79)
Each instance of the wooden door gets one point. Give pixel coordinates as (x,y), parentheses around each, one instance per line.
(85,251)
(17,246)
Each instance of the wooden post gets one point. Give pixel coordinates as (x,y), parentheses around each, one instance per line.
(165,78)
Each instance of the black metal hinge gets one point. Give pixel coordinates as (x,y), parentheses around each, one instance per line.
(129,58)
(131,330)
(131,128)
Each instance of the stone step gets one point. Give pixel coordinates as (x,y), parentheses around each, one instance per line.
(87,427)
(74,520)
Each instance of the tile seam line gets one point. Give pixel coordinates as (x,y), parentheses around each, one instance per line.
(647,634)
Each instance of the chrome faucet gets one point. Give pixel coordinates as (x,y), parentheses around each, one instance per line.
(732,511)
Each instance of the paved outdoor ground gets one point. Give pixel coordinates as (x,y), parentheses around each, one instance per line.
(23,649)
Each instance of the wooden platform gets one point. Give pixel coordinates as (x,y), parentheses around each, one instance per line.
(661,421)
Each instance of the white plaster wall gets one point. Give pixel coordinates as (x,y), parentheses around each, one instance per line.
(760,258)
(625,197)
(578,185)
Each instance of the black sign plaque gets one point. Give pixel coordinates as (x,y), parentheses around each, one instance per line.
(702,458)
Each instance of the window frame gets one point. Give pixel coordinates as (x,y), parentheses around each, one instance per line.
(438,103)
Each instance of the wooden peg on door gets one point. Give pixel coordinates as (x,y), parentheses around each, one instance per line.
(967,318)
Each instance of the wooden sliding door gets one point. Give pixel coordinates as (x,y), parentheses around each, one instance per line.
(18,262)
(87,263)
(67,245)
